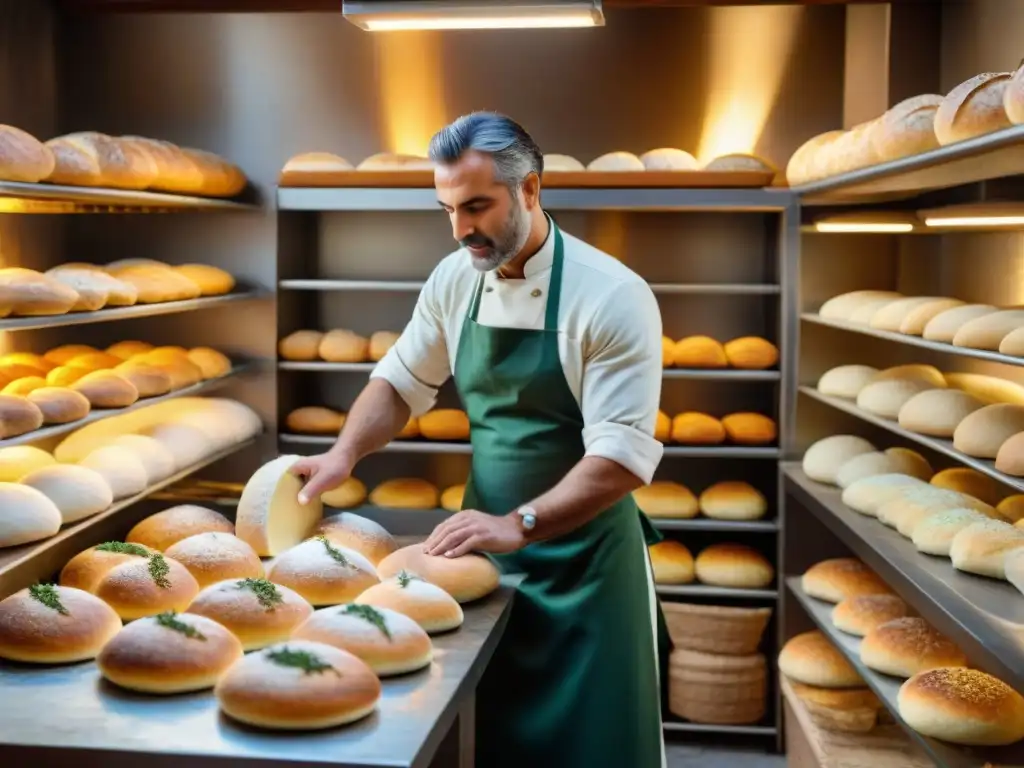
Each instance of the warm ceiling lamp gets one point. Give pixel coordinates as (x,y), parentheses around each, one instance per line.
(398,15)
(880,222)
(975,215)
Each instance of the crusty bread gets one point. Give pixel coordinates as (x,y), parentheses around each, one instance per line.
(24,386)
(934,534)
(157,284)
(389,642)
(962,706)
(23,157)
(733,500)
(351,531)
(466,578)
(125,350)
(749,428)
(395,161)
(751,353)
(64,376)
(256,611)
(616,161)
(211,362)
(98,284)
(146,587)
(693,428)
(298,685)
(666,499)
(343,346)
(47,624)
(213,557)
(148,380)
(981,547)
(810,658)
(662,427)
(174,171)
(868,494)
(427,604)
(405,493)
(926,374)
(315,420)
(937,412)
(840,578)
(944,326)
(907,128)
(671,562)
(983,432)
(906,510)
(846,380)
(844,710)
(860,614)
(78,492)
(806,163)
(668,159)
(823,459)
(969,481)
(323,573)
(699,352)
(162,529)
(169,653)
(973,108)
(444,424)
(733,565)
(905,646)
(94,159)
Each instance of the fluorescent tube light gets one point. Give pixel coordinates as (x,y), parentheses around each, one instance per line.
(866,226)
(400,15)
(880,222)
(975,215)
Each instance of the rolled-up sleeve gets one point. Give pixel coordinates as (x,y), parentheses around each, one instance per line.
(417,365)
(621,387)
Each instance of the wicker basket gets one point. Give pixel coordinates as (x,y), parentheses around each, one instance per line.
(716,629)
(720,690)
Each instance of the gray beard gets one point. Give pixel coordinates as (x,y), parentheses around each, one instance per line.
(508,245)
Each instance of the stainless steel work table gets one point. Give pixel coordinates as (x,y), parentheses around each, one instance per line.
(70,716)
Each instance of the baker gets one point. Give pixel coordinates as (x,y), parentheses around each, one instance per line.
(555,348)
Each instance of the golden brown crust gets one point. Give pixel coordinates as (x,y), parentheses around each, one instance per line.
(444,424)
(733,500)
(323,573)
(749,428)
(425,603)
(211,362)
(693,428)
(860,614)
(368,538)
(350,493)
(86,569)
(147,379)
(699,352)
(237,607)
(837,579)
(465,578)
(23,157)
(405,492)
(381,342)
(315,420)
(751,353)
(303,346)
(671,562)
(214,556)
(106,389)
(32,632)
(173,524)
(810,658)
(733,565)
(212,281)
(905,646)
(134,591)
(666,499)
(18,416)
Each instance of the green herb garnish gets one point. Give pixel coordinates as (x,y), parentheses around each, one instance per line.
(171,621)
(304,660)
(333,551)
(158,569)
(370,614)
(405,578)
(47,595)
(123,548)
(265,591)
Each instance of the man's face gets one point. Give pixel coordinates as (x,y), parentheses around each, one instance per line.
(488,221)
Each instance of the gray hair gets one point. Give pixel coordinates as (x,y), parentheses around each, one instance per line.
(514,151)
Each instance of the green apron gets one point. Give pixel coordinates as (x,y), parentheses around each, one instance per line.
(574,681)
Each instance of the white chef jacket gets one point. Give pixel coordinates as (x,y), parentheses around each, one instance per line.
(609,342)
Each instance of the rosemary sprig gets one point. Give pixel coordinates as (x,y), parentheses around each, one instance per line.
(123,548)
(370,614)
(48,596)
(171,621)
(308,662)
(266,592)
(333,551)
(405,578)
(158,569)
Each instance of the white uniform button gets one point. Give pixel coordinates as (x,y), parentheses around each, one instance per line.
(535,292)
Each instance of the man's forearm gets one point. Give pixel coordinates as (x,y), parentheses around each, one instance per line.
(589,488)
(378,414)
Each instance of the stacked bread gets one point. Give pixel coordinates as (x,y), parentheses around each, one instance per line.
(696,428)
(94,159)
(660,159)
(745,353)
(987,102)
(335,346)
(726,500)
(734,566)
(934,318)
(442,424)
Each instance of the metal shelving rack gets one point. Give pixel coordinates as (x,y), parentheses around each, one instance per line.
(305,209)
(984,616)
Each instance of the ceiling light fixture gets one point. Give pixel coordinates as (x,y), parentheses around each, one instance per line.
(975,215)
(401,15)
(878,222)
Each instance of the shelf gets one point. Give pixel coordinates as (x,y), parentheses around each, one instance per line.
(718,289)
(404,286)
(991,156)
(24,565)
(913,341)
(21,197)
(984,616)
(938,445)
(708,524)
(397,446)
(124,313)
(680,726)
(887,688)
(721,452)
(321,367)
(702,590)
(411,199)
(98,414)
(383,286)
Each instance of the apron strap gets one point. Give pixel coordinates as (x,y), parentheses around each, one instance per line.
(555,284)
(474,305)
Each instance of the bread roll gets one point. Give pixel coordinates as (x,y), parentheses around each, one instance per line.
(751,353)
(983,432)
(1013,343)
(89,158)
(77,492)
(891,461)
(212,363)
(1012,508)
(466,578)
(863,613)
(981,547)
(65,353)
(96,289)
(1013,566)
(93,361)
(154,457)
(917,319)
(617,161)
(969,481)
(556,162)
(23,157)
(19,460)
(316,162)
(841,307)
(840,578)
(125,350)
(667,348)
(733,565)
(444,424)
(323,573)
(962,706)
(64,376)
(28,515)
(694,428)
(668,159)
(212,557)
(256,611)
(992,389)
(425,603)
(18,416)
(810,658)
(885,398)
(804,165)
(341,346)
(824,458)
(892,315)
(124,472)
(351,531)
(394,161)
(750,428)
(24,386)
(988,331)
(169,653)
(159,531)
(380,343)
(47,624)
(351,493)
(850,710)
(733,500)
(212,281)
(270,518)
(973,108)
(864,312)
(671,562)
(390,642)
(699,352)
(927,374)
(1010,457)
(945,325)
(40,364)
(410,430)
(86,569)
(139,588)
(934,534)
(156,285)
(1013,97)
(938,412)
(298,685)
(666,499)
(302,346)
(405,493)
(58,405)
(906,510)
(868,494)
(451,498)
(907,128)
(148,380)
(845,380)
(315,420)
(740,162)
(905,646)
(106,389)
(30,293)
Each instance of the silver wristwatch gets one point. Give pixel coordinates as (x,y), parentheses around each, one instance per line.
(529,516)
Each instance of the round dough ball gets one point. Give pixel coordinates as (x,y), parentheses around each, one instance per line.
(839,578)
(78,492)
(751,353)
(323,573)
(671,562)
(810,658)
(750,428)
(860,614)
(666,499)
(47,624)
(381,342)
(668,159)
(905,646)
(824,458)
(733,500)
(343,346)
(256,611)
(139,588)
(466,578)
(616,161)
(174,524)
(662,427)
(425,603)
(351,531)
(733,565)
(351,493)
(560,163)
(739,162)
(213,557)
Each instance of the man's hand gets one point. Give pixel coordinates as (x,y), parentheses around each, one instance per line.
(469,531)
(320,473)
